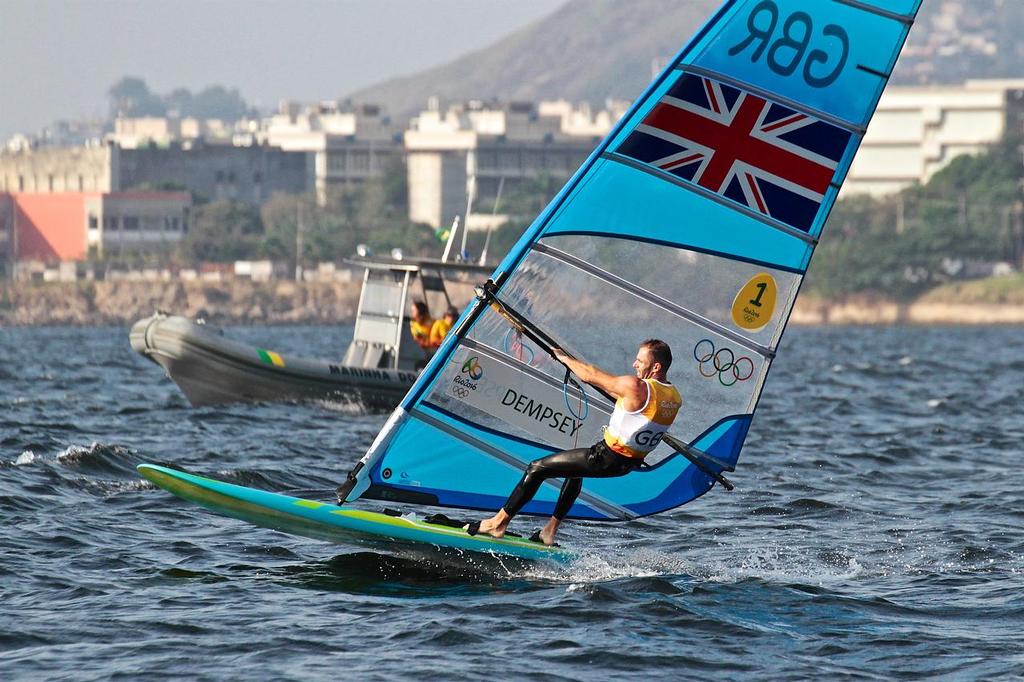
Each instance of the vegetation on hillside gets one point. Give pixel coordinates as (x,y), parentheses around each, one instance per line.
(966,218)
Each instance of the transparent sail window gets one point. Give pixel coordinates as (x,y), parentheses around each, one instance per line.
(748,299)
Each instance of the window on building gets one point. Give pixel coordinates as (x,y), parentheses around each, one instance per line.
(231,177)
(81,183)
(509,160)
(555,161)
(360,161)
(21,183)
(113,224)
(220,176)
(131,222)
(49,182)
(257,177)
(486,160)
(172,223)
(94,222)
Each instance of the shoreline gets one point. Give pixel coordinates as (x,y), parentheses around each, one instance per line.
(885,312)
(243,302)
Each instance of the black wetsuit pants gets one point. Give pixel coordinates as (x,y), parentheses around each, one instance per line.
(597,461)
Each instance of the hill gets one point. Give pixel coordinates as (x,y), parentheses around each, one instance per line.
(592,50)
(588,50)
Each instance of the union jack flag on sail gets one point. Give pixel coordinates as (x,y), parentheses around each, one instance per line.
(765,156)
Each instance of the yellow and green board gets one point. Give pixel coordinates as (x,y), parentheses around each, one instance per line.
(329,522)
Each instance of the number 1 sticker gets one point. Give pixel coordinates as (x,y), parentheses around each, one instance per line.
(754,305)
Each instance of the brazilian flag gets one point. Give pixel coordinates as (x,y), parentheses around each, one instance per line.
(443,233)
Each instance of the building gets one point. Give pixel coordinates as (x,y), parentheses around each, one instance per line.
(349,144)
(918,130)
(249,174)
(163,131)
(71,226)
(463,159)
(59,169)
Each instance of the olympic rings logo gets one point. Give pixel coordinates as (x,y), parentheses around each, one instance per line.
(460,391)
(472,368)
(722,363)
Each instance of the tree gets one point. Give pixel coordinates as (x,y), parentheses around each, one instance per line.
(179,102)
(131,97)
(217,101)
(905,244)
(221,232)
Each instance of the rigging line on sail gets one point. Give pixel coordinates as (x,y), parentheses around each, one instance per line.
(874,72)
(488,292)
(871,9)
(653,298)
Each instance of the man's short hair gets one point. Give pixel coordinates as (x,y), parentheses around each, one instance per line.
(660,352)
(420,307)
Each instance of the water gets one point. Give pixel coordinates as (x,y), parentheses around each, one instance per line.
(875,533)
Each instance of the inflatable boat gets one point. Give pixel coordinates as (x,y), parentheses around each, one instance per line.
(378,368)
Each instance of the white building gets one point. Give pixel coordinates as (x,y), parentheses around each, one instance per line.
(162,131)
(349,144)
(469,155)
(918,130)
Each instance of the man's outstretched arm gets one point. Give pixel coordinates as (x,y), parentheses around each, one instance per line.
(618,386)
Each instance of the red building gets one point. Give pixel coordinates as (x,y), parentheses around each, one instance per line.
(68,226)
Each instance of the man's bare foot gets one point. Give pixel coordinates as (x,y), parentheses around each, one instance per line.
(494,526)
(548,538)
(548,532)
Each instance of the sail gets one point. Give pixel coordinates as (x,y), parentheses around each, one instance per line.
(693,222)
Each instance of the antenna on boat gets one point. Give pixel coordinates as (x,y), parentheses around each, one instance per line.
(470,196)
(298,241)
(490,228)
(451,238)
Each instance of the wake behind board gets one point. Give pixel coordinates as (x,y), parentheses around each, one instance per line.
(329,522)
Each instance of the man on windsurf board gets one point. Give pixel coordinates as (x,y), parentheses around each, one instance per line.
(645,407)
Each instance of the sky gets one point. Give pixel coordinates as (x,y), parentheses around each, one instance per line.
(58,58)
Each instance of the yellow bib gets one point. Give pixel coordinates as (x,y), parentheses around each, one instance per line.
(634,434)
(438,331)
(420,331)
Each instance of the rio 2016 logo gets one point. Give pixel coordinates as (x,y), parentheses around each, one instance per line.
(472,368)
(464,383)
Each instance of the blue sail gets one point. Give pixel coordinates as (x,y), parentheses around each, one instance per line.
(694,222)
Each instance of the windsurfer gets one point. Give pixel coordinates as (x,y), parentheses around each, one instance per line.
(645,406)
